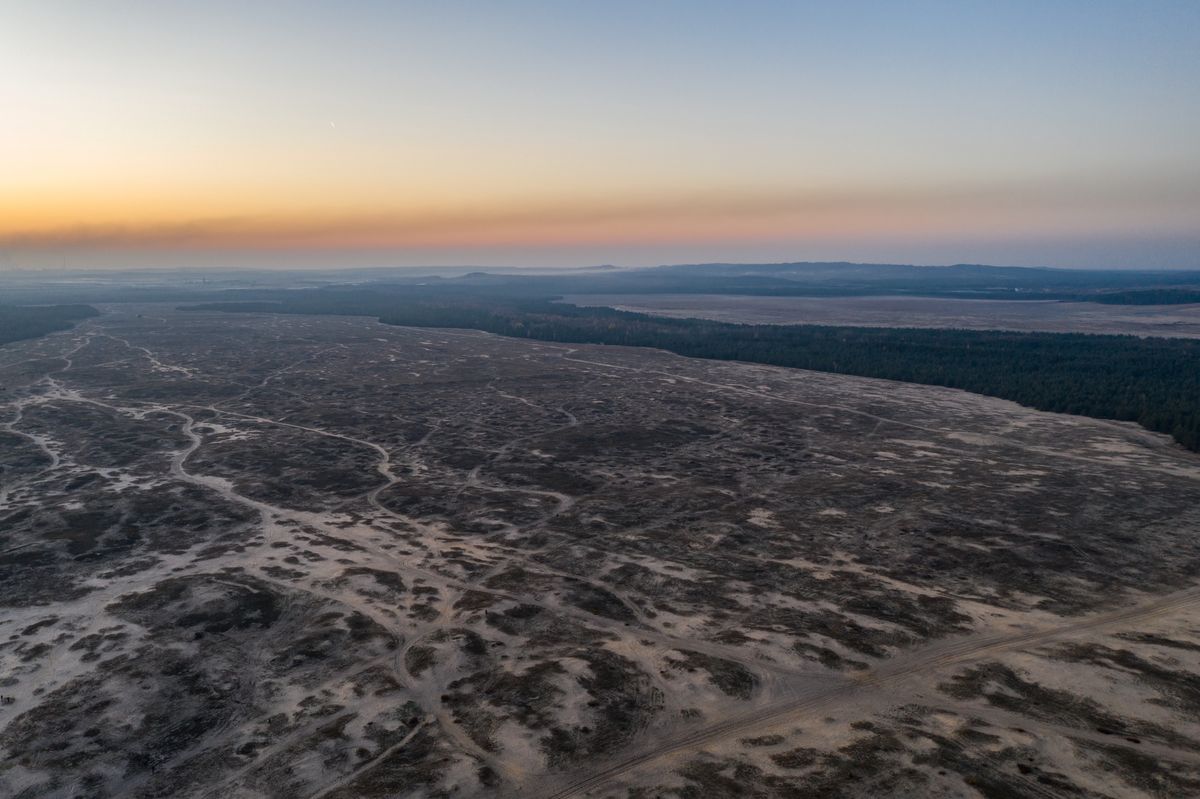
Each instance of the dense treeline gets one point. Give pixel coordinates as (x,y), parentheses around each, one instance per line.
(30,321)
(1148,297)
(1154,382)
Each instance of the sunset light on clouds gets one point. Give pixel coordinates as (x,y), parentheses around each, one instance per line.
(277,134)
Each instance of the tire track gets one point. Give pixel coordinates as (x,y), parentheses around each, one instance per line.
(934,658)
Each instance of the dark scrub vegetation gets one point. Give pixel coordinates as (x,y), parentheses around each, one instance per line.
(1184,296)
(19,322)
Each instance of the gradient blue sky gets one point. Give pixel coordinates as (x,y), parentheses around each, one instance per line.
(321,133)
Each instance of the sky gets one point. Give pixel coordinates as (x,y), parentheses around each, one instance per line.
(320,134)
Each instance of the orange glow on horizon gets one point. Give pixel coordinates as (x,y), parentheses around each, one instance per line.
(191,223)
(274,217)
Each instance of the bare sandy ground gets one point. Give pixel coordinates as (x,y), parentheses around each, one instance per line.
(1180,321)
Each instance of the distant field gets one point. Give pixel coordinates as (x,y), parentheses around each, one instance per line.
(1181,321)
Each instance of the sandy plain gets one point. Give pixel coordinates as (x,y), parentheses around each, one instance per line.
(285,556)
